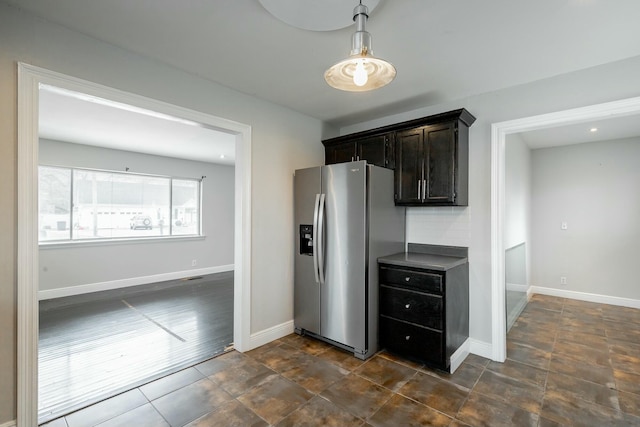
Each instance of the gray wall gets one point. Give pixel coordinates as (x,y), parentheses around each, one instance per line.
(70,265)
(282,141)
(471,226)
(595,188)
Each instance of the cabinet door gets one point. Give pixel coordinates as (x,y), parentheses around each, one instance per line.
(408,172)
(345,152)
(376,150)
(440,155)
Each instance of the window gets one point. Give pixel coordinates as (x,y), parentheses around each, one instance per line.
(81,204)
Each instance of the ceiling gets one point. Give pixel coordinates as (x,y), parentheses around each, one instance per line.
(443,50)
(593,131)
(82,119)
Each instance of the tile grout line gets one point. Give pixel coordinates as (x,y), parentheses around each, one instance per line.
(484,368)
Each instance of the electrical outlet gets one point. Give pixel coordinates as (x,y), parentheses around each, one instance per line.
(563,280)
(194,262)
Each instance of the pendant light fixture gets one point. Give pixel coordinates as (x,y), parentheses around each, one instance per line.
(361,71)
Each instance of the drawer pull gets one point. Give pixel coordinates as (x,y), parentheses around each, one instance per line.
(407,306)
(406,279)
(408,337)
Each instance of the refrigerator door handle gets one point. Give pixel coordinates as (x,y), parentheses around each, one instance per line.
(321,239)
(316,207)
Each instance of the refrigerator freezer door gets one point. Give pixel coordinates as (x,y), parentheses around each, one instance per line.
(343,295)
(306,293)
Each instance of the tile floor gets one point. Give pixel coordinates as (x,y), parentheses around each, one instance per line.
(569,363)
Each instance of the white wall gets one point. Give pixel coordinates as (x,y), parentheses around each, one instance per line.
(439,225)
(517,221)
(595,188)
(68,266)
(282,141)
(586,87)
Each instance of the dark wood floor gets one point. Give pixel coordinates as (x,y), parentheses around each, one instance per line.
(95,346)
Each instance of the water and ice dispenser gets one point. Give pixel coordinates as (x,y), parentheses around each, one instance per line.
(306,239)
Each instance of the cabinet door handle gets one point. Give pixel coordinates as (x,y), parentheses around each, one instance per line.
(407,306)
(407,338)
(419,192)
(424,189)
(406,279)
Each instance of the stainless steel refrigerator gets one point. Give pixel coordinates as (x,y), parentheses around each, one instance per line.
(345,219)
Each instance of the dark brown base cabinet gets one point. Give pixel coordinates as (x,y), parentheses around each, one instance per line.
(424,314)
(430,157)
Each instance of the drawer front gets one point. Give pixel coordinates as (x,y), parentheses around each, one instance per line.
(415,307)
(409,279)
(412,341)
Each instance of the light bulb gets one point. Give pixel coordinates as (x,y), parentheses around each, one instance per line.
(360,76)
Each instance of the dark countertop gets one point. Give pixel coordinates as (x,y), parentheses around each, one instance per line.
(423,260)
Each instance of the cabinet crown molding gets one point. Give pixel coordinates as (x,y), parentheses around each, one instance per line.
(460,114)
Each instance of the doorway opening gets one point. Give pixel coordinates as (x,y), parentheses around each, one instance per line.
(499,133)
(30,79)
(135,214)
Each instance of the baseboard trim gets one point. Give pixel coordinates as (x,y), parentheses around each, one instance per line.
(585,296)
(9,424)
(125,283)
(270,334)
(470,345)
(481,348)
(459,355)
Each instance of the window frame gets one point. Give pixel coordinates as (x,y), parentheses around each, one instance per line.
(198,235)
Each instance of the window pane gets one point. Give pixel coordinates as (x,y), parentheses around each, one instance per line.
(186,206)
(91,204)
(118,205)
(54,203)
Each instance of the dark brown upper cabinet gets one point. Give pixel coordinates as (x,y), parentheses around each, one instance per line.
(345,152)
(432,165)
(430,157)
(375,149)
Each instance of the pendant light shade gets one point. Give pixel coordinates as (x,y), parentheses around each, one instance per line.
(361,71)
